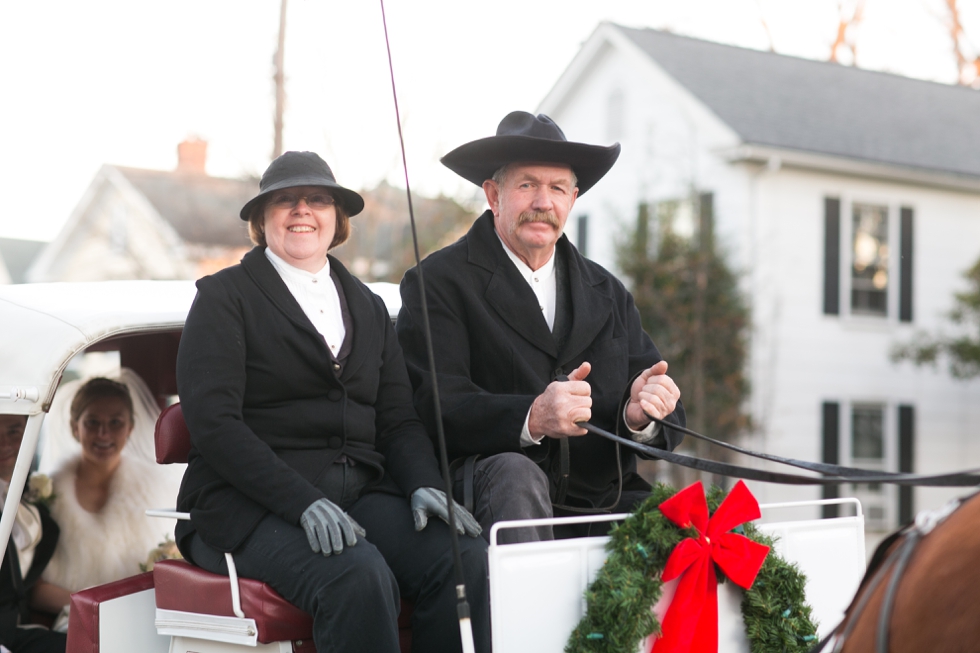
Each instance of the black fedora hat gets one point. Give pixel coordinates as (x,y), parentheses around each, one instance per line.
(303,169)
(521,137)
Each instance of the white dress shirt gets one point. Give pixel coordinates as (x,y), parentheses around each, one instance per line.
(545,286)
(27,531)
(317,295)
(542,282)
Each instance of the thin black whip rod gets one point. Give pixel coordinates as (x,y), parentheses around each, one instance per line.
(462,607)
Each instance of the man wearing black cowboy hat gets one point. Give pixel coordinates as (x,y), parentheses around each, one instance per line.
(532,338)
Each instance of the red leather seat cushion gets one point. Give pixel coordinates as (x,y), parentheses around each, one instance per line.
(171,437)
(83,620)
(182,586)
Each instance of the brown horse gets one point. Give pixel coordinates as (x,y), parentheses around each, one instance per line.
(936,597)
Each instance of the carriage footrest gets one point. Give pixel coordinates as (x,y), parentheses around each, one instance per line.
(231,630)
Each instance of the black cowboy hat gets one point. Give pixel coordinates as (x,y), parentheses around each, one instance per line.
(303,169)
(534,139)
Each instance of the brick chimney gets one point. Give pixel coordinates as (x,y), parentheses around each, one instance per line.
(192,154)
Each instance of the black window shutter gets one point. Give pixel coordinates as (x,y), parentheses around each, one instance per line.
(906,461)
(831,256)
(582,237)
(706,220)
(905,268)
(831,451)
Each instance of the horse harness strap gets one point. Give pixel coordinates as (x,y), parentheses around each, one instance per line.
(885,616)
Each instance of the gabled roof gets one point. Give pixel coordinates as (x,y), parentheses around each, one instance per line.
(203,210)
(17,255)
(826,108)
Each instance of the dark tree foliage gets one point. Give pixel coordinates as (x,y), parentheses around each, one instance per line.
(962,351)
(380,247)
(690,304)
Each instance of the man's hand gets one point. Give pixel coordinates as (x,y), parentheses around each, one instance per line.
(327,527)
(430,501)
(653,392)
(563,403)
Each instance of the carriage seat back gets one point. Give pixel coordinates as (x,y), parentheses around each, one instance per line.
(171,437)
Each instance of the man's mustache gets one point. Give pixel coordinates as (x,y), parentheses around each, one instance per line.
(546,217)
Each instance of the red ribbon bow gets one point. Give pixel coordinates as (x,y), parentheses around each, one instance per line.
(691,622)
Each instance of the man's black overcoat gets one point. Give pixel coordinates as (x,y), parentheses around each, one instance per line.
(267,412)
(494,354)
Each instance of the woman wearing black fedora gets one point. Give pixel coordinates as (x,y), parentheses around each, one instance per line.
(308,460)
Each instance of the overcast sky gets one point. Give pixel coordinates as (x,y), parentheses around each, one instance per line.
(123,81)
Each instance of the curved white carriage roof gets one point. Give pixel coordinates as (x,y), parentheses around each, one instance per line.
(43,325)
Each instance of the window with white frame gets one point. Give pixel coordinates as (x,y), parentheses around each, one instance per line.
(869,449)
(869,257)
(879,436)
(869,260)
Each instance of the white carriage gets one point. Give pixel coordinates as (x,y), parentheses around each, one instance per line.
(536,588)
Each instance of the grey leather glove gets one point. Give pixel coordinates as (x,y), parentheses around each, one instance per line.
(430,501)
(328,527)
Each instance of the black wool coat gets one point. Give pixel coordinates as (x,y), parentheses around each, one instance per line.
(268,412)
(494,354)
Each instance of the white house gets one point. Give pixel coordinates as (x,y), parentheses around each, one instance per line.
(850,201)
(133,223)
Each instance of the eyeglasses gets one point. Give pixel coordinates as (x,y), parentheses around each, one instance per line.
(316,201)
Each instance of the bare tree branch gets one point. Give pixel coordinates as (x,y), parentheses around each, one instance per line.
(967,60)
(847,31)
(765,25)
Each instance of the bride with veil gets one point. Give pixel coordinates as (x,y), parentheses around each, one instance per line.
(110,542)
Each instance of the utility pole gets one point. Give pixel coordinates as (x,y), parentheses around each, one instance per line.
(280,79)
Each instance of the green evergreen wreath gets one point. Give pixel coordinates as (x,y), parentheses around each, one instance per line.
(619,616)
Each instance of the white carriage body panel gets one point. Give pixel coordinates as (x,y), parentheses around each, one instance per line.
(831,554)
(126,625)
(192,645)
(537,588)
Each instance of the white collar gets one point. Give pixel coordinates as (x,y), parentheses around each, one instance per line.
(545,270)
(285,268)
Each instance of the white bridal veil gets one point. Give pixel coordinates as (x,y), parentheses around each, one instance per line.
(59,445)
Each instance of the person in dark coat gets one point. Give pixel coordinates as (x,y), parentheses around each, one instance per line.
(31,545)
(533,338)
(308,460)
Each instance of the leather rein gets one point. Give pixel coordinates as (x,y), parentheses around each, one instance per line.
(831,474)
